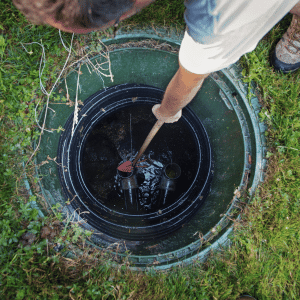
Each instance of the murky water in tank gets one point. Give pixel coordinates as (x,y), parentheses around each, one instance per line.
(117,138)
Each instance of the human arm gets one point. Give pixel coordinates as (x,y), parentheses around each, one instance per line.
(181,90)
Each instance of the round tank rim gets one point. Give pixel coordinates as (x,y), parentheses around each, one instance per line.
(258,127)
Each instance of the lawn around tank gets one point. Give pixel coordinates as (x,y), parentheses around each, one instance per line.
(263,257)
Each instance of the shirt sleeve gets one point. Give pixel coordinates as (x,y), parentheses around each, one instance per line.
(219,32)
(201,58)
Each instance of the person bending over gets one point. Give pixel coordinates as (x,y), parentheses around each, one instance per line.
(218,33)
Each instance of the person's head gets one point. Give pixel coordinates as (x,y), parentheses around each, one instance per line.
(79,16)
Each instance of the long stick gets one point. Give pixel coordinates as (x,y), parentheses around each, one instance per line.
(148,139)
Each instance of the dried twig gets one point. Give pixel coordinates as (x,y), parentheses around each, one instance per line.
(75,119)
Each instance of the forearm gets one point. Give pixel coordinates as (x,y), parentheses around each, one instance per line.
(180,91)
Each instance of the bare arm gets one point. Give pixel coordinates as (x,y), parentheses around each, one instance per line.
(181,90)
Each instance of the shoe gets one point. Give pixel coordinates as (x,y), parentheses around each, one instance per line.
(286,57)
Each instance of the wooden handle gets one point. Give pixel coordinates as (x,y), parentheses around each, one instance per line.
(148,139)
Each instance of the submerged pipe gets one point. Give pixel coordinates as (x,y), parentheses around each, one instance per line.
(170,174)
(129,187)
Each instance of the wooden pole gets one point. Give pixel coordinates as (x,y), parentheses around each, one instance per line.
(148,139)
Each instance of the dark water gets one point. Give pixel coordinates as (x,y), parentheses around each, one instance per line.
(118,138)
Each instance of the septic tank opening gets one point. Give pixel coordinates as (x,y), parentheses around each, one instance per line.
(230,118)
(163,191)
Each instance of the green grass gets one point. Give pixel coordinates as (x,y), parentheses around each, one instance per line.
(161,12)
(264,256)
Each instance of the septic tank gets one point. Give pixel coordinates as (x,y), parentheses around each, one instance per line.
(161,219)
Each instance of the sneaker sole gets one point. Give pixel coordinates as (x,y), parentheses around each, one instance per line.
(283,67)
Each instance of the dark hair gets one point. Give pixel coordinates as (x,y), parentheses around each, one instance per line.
(79,13)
